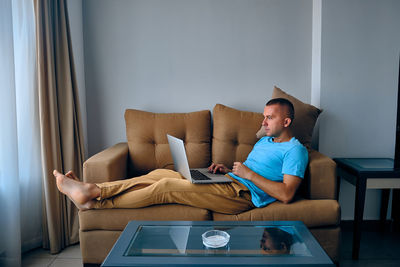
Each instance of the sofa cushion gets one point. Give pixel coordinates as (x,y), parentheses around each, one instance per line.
(95,245)
(117,219)
(146,133)
(314,213)
(233,134)
(329,239)
(305,117)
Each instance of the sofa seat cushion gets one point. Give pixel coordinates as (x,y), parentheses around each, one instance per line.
(95,245)
(329,239)
(314,213)
(117,219)
(146,133)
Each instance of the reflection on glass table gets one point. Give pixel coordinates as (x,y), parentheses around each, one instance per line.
(251,243)
(175,240)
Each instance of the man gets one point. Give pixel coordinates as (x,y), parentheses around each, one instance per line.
(276,241)
(273,171)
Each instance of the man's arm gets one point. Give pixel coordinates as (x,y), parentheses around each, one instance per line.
(283,191)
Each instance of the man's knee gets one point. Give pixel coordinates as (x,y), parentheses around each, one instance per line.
(164,184)
(165,173)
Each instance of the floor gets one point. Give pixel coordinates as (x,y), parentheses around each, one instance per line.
(377,249)
(69,257)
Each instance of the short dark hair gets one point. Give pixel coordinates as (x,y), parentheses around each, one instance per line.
(283,102)
(279,237)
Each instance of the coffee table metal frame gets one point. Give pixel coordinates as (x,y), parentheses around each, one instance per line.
(116,256)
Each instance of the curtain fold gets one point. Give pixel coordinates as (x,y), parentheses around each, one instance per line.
(20,164)
(10,236)
(60,122)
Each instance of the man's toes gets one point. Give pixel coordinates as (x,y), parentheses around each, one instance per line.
(56,173)
(72,175)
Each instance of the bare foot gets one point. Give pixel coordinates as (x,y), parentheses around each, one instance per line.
(72,175)
(87,206)
(82,194)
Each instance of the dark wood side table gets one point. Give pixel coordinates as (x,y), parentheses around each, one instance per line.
(370,173)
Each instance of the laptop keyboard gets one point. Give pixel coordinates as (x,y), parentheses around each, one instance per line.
(197,175)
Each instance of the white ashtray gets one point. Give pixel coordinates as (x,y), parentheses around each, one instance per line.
(215,238)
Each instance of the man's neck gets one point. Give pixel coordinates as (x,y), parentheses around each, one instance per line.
(284,137)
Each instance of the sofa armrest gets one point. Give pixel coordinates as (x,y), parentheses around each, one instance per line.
(107,165)
(322,178)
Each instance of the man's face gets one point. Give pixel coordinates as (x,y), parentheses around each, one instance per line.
(275,120)
(269,246)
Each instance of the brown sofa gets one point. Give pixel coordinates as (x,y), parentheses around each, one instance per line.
(230,138)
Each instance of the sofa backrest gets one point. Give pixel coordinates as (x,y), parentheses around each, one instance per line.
(234,134)
(234,137)
(146,134)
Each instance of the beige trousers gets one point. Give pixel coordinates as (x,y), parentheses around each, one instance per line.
(166,186)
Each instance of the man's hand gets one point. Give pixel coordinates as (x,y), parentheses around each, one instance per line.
(214,168)
(241,170)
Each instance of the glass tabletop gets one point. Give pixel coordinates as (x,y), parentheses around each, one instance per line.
(245,241)
(369,164)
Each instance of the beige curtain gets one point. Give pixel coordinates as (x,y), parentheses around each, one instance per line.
(60,122)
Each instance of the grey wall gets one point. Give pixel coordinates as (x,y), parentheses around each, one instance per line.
(76,30)
(359,74)
(187,55)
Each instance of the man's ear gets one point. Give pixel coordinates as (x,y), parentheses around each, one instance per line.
(283,246)
(287,122)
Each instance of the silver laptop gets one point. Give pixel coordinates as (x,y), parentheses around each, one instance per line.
(196,176)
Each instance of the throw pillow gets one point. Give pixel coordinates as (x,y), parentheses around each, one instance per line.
(305,117)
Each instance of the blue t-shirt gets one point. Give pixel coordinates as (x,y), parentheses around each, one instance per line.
(272,160)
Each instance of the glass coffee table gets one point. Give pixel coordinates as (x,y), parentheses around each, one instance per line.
(180,243)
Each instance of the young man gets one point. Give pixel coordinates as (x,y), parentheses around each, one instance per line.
(276,241)
(273,171)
